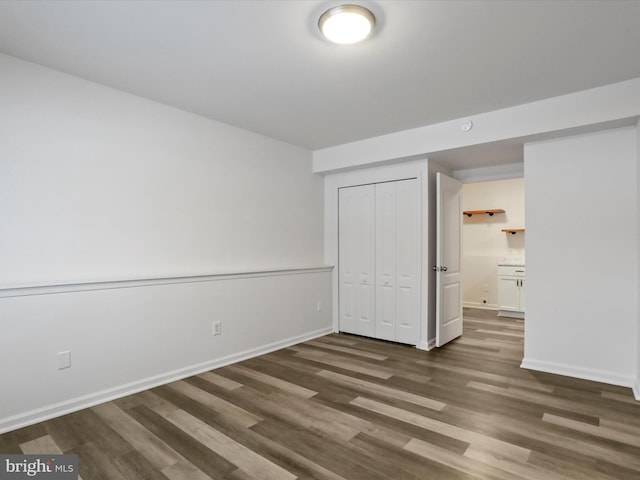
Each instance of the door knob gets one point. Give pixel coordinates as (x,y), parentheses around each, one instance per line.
(444,269)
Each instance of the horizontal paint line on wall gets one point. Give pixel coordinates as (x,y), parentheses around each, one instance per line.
(82,286)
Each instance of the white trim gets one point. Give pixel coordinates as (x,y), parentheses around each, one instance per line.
(636,390)
(485,174)
(511,314)
(429,345)
(580,372)
(480,306)
(82,286)
(86,401)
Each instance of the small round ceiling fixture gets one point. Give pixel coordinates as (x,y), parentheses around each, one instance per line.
(346,24)
(466,125)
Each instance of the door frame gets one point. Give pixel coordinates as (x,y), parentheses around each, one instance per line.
(418,169)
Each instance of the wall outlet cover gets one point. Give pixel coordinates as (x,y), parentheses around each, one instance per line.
(64,359)
(217,328)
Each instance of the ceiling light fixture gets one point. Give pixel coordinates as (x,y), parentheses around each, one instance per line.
(346,24)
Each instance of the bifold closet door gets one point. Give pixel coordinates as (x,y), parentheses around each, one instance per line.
(397,261)
(379,260)
(356,262)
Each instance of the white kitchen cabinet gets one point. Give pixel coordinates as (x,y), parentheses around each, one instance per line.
(379,260)
(511,290)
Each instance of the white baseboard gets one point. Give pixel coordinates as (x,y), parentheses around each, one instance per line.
(636,389)
(511,314)
(430,344)
(86,401)
(580,372)
(481,306)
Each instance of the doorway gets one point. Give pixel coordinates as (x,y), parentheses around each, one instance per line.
(417,170)
(494,245)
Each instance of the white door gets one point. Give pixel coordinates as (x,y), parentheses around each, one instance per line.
(448,244)
(398,261)
(356,262)
(408,261)
(386,261)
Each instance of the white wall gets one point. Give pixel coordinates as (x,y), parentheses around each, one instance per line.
(124,340)
(582,256)
(96,185)
(610,103)
(97,182)
(483,242)
(636,388)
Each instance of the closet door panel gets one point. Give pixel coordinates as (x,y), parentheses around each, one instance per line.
(356,212)
(347,275)
(385,261)
(408,235)
(379,260)
(365,249)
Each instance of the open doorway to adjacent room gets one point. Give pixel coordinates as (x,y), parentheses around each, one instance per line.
(493,246)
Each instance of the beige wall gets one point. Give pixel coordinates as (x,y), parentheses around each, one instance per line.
(483,242)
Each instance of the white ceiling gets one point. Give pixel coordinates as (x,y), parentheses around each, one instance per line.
(262,65)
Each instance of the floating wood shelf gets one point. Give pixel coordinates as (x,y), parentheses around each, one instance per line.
(513,231)
(490,212)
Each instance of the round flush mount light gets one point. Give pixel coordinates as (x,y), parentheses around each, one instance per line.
(346,24)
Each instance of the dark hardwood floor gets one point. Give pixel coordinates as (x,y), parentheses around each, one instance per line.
(346,407)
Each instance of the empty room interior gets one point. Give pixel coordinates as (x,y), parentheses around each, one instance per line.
(237,242)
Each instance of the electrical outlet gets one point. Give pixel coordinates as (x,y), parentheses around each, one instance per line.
(64,359)
(319,306)
(216,328)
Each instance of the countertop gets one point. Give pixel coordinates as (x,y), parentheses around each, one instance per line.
(512,263)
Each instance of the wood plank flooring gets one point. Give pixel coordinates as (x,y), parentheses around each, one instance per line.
(352,408)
